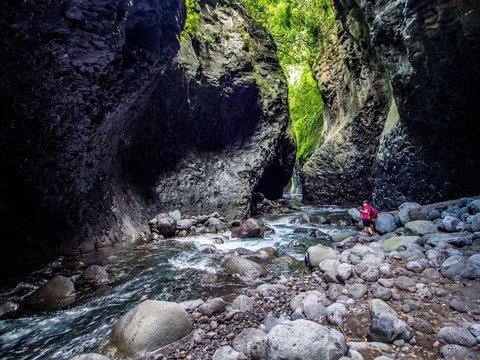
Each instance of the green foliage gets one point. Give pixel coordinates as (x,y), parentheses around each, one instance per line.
(306,110)
(191,23)
(301,29)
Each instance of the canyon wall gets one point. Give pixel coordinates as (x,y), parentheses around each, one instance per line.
(106,121)
(419,61)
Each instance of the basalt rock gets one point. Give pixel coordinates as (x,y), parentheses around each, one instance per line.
(399,85)
(109,120)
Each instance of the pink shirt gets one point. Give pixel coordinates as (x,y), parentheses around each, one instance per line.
(368,209)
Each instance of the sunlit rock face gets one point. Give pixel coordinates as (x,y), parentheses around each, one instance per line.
(419,129)
(101,129)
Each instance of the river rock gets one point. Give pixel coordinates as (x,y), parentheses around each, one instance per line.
(312,303)
(459,267)
(94,275)
(149,326)
(265,253)
(339,237)
(371,274)
(165,225)
(406,284)
(457,239)
(404,211)
(450,223)
(475,259)
(212,306)
(335,314)
(227,353)
(8,309)
(456,335)
(250,228)
(386,326)
(252,343)
(244,267)
(269,289)
(53,295)
(357,291)
(474,207)
(385,223)
(382,293)
(328,268)
(316,254)
(476,222)
(303,339)
(420,228)
(344,272)
(434,214)
(90,356)
(191,304)
(355,214)
(454,352)
(243,303)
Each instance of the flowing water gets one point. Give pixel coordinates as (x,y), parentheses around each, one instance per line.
(171,270)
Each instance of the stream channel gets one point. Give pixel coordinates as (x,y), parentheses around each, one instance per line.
(176,269)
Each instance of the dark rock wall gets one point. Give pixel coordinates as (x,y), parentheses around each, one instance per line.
(103,125)
(355,89)
(419,138)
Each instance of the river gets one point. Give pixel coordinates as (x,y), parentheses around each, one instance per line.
(176,270)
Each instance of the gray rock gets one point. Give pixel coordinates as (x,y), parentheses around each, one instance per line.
(386,326)
(423,294)
(344,272)
(212,306)
(8,309)
(244,267)
(335,314)
(94,275)
(450,223)
(475,330)
(165,225)
(90,356)
(420,228)
(335,291)
(149,326)
(184,224)
(417,266)
(243,303)
(457,239)
(406,284)
(476,222)
(250,228)
(270,321)
(404,211)
(191,304)
(456,335)
(354,355)
(456,352)
(298,314)
(329,269)
(53,295)
(355,214)
(302,339)
(423,326)
(357,291)
(251,342)
(312,304)
(265,253)
(339,237)
(458,306)
(385,223)
(318,253)
(395,243)
(382,293)
(434,258)
(433,215)
(371,275)
(227,353)
(269,289)
(474,207)
(459,267)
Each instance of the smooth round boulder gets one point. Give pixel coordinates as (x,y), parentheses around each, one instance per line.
(339,237)
(250,228)
(404,211)
(457,239)
(316,254)
(244,267)
(385,223)
(94,275)
(420,228)
(395,243)
(53,295)
(303,339)
(149,326)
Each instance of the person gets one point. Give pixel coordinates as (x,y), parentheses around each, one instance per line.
(366,218)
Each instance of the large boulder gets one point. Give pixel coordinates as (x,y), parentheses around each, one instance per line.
(303,339)
(397,242)
(404,211)
(458,239)
(458,267)
(94,275)
(385,223)
(53,295)
(252,343)
(316,254)
(244,267)
(420,228)
(250,228)
(149,326)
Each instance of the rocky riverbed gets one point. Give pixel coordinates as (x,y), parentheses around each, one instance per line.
(408,292)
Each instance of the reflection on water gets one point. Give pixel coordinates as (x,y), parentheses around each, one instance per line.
(165,270)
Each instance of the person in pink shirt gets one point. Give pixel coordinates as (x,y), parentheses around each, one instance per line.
(366,218)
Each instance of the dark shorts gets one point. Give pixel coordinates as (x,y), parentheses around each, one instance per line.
(366,222)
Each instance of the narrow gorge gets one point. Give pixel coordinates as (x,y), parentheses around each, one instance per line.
(143,122)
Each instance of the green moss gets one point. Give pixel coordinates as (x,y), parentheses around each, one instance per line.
(191,23)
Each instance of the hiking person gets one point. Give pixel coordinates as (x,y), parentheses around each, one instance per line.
(366,218)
